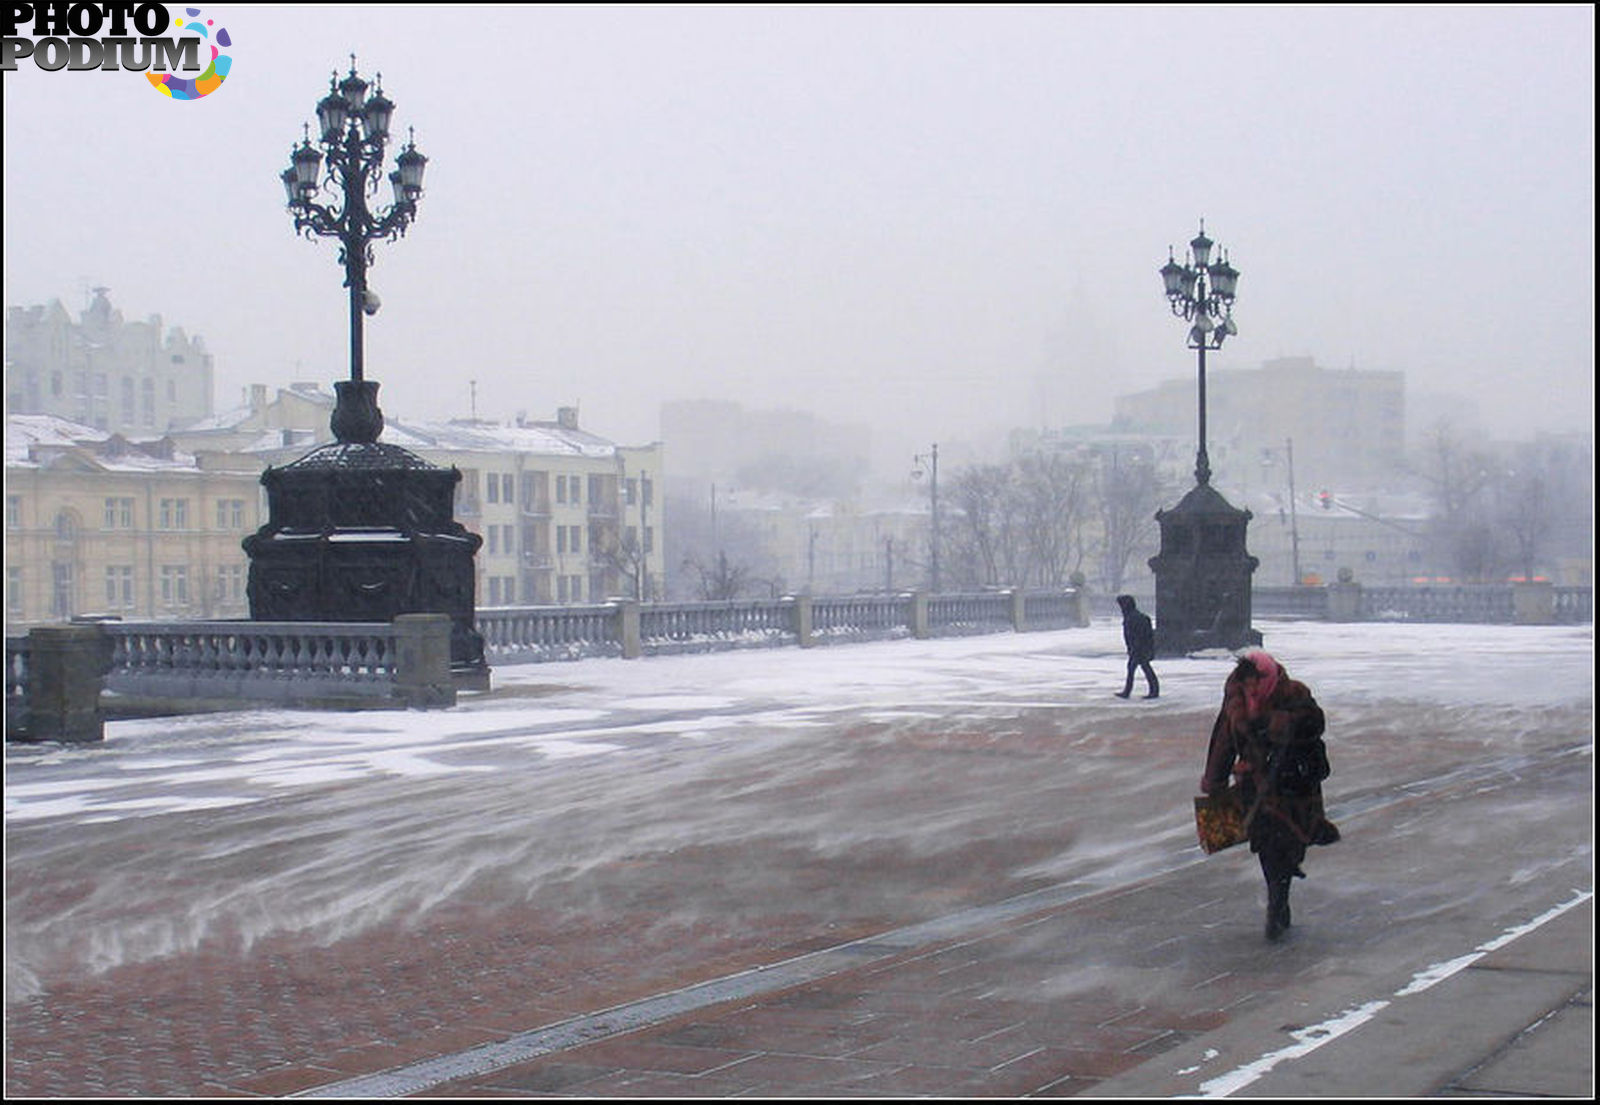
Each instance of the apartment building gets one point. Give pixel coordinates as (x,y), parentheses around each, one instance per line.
(1348,425)
(566,516)
(132,378)
(98,524)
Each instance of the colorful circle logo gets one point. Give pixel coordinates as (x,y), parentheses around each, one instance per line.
(180,88)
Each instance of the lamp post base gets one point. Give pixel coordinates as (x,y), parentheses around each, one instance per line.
(364,532)
(1203,576)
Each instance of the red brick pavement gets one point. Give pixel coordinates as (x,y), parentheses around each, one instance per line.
(1048,1004)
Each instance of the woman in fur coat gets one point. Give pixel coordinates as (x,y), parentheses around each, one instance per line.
(1268,735)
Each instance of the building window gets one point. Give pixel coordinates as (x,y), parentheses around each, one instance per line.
(508,488)
(494,532)
(174,585)
(491,492)
(13,512)
(649,539)
(119,586)
(174,514)
(61,604)
(119,514)
(230,583)
(230,514)
(14,591)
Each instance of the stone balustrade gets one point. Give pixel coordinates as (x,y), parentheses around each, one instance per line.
(629,629)
(539,633)
(62,679)
(1516,603)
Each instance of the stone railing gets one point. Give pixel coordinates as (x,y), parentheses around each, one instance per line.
(1467,603)
(1574,605)
(526,634)
(62,680)
(630,629)
(862,617)
(671,627)
(55,676)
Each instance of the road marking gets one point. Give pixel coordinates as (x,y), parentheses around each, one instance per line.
(1310,1039)
(419,1076)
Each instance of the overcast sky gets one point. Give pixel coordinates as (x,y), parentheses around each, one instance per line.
(936,219)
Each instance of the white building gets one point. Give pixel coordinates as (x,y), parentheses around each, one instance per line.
(133,378)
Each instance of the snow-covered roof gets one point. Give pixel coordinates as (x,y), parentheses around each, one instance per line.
(470,436)
(26,432)
(39,440)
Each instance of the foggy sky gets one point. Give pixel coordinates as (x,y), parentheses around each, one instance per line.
(937,219)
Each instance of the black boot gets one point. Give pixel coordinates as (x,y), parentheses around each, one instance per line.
(1277,908)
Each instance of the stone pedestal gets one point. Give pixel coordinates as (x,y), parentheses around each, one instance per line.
(1533,602)
(1203,576)
(68,666)
(365,532)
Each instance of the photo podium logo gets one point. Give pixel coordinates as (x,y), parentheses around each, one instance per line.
(181,56)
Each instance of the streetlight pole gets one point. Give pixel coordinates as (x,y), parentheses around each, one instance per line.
(1201,293)
(1294,513)
(354,131)
(932,460)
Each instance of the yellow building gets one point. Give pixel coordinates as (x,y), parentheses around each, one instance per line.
(566,516)
(97,524)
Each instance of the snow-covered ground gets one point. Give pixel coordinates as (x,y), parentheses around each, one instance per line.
(542,715)
(178,833)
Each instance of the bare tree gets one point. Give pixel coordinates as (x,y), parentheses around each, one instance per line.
(719,579)
(1053,493)
(625,560)
(1129,496)
(1019,524)
(1459,476)
(978,526)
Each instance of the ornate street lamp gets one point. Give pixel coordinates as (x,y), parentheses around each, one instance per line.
(1201,293)
(331,188)
(361,530)
(931,461)
(1203,571)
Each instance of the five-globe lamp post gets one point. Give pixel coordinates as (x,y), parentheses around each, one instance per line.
(331,187)
(1201,293)
(361,530)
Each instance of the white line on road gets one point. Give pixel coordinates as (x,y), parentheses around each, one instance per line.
(1310,1039)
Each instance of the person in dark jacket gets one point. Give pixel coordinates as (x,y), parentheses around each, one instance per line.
(1140,637)
(1268,735)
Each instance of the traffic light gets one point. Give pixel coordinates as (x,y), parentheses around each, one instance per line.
(1326,500)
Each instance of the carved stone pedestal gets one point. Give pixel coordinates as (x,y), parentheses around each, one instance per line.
(363,532)
(1203,576)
